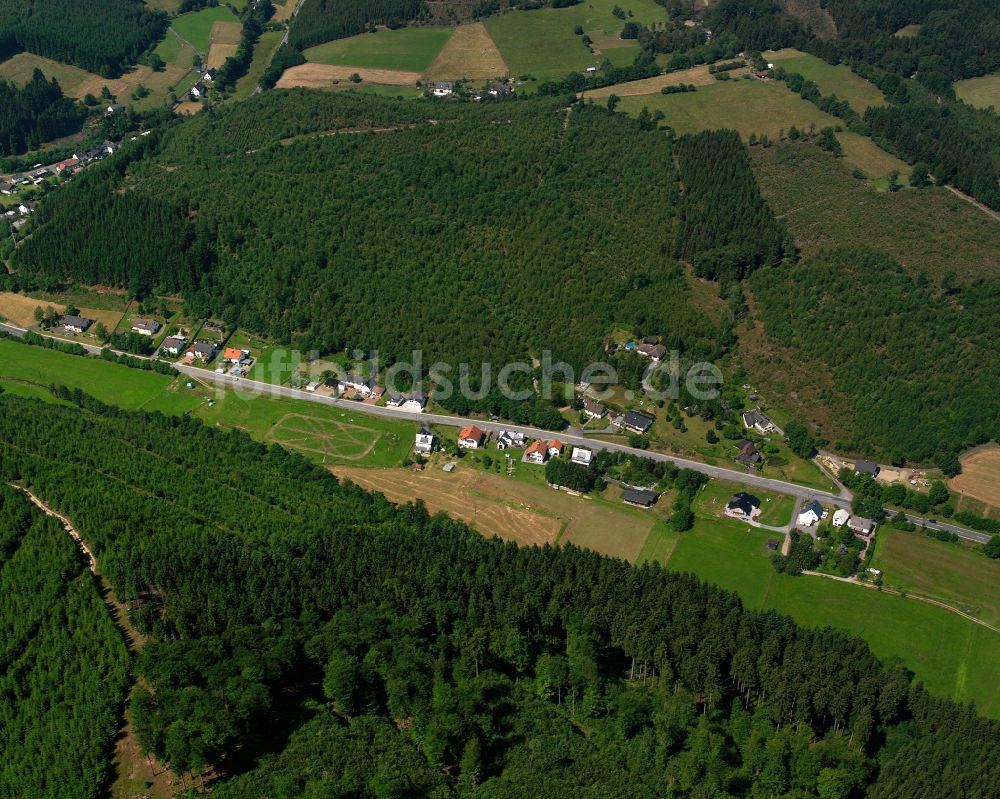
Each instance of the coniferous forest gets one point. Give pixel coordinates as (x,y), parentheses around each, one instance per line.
(63,665)
(310,639)
(35,113)
(102,36)
(475,234)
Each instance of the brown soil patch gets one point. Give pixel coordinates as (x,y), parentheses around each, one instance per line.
(980,477)
(491,504)
(188,108)
(697,76)
(470,53)
(322,76)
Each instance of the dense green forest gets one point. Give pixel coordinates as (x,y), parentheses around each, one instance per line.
(63,665)
(957,38)
(477,235)
(36,113)
(102,36)
(300,625)
(726,228)
(914,365)
(320,21)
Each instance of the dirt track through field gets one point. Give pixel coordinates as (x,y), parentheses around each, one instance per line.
(488,503)
(469,53)
(980,477)
(322,76)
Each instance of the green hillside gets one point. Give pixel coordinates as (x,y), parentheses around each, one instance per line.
(476,234)
(308,638)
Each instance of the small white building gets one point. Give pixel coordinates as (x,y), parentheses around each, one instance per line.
(755,420)
(443,88)
(311,387)
(841,517)
(424,443)
(538,452)
(173,345)
(582,455)
(810,514)
(414,404)
(471,437)
(507,439)
(145,327)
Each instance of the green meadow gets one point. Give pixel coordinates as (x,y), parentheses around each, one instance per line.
(953,656)
(541,42)
(409,49)
(982,92)
(108,382)
(831,79)
(196,27)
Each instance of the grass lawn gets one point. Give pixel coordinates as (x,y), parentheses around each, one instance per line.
(542,43)
(261,56)
(952,656)
(409,49)
(930,230)
(830,79)
(778,512)
(951,573)
(196,26)
(127,388)
(981,92)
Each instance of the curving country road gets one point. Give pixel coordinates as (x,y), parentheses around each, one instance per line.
(258,388)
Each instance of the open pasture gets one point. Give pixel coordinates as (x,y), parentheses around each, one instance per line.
(403,49)
(196,27)
(541,42)
(982,92)
(831,79)
(951,573)
(980,477)
(470,53)
(20,309)
(324,76)
(747,106)
(324,437)
(225,38)
(696,76)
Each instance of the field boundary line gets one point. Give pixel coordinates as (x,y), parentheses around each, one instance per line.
(906,595)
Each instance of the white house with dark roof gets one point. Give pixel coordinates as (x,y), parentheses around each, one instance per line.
(173,345)
(755,420)
(75,324)
(810,514)
(743,506)
(424,443)
(145,327)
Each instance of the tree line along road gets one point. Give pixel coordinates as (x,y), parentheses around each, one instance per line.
(259,388)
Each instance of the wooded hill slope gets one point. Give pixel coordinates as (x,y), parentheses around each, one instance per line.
(102,36)
(477,234)
(310,639)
